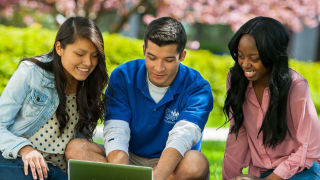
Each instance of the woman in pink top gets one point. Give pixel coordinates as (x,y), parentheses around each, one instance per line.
(274,127)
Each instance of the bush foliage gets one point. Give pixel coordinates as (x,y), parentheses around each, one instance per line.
(16,43)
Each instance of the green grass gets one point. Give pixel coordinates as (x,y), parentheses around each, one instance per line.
(214,150)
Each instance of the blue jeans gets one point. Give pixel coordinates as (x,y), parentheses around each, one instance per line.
(308,174)
(13,169)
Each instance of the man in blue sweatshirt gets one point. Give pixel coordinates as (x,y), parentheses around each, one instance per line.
(157,108)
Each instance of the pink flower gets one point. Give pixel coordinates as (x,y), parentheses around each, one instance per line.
(194,45)
(28,20)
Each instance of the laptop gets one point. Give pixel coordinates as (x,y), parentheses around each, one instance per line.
(88,170)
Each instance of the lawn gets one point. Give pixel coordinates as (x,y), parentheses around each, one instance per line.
(214,152)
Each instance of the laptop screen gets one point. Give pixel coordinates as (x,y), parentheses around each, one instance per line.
(88,170)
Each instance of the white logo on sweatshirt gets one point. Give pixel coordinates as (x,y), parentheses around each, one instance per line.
(171,116)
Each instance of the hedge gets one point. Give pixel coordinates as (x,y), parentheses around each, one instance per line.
(16,43)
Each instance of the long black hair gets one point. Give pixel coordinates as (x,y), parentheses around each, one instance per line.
(90,97)
(272,42)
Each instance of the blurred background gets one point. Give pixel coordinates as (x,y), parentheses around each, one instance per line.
(209,23)
(28,28)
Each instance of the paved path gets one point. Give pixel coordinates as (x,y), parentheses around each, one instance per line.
(214,134)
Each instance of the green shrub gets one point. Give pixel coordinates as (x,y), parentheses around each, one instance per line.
(310,71)
(16,43)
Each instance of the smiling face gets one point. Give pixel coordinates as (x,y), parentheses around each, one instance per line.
(78,60)
(162,63)
(250,62)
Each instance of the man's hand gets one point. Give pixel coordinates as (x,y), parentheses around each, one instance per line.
(118,157)
(157,175)
(35,160)
(168,162)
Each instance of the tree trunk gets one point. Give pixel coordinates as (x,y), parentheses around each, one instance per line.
(318,46)
(125,17)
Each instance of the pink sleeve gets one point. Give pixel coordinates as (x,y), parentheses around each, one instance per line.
(307,127)
(236,154)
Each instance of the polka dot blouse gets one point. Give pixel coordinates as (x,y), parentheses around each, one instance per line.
(47,140)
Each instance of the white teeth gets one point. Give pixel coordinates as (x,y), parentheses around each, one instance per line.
(249,72)
(82,69)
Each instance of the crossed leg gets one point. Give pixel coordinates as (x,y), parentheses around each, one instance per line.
(194,165)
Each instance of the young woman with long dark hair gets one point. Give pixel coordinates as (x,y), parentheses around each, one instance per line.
(274,127)
(51,99)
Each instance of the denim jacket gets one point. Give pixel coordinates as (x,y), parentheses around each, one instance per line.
(29,100)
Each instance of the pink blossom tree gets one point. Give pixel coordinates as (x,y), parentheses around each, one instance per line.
(293,13)
(87,8)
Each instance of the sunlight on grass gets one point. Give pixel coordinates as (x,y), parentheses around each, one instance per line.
(214,151)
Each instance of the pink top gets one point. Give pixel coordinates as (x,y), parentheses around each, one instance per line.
(294,154)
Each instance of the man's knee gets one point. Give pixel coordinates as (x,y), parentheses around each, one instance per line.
(194,165)
(76,148)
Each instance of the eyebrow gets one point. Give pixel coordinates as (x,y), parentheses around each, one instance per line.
(252,54)
(148,53)
(168,57)
(85,50)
